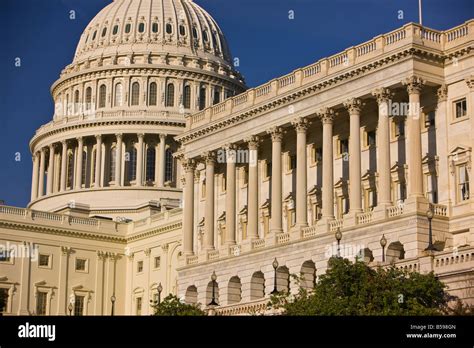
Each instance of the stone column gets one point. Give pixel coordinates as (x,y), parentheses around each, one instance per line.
(252,195)
(99,282)
(414,85)
(209,215)
(442,123)
(118,162)
(301,125)
(189,166)
(230,195)
(80,152)
(276,203)
(49,183)
(162,165)
(34,177)
(470,101)
(384,195)
(327,117)
(62,184)
(63,296)
(98,158)
(25,280)
(140,159)
(354,107)
(157,164)
(41,173)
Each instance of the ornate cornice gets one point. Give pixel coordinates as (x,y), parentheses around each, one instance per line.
(312,89)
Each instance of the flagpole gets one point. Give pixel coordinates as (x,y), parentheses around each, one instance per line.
(419,13)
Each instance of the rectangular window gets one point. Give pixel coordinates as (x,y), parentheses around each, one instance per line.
(401,191)
(3,300)
(431,193)
(43,260)
(318,154)
(157,262)
(343,146)
(430,119)
(291,162)
(244,176)
(139,306)
(139,266)
(460,107)
(399,129)
(5,255)
(81,265)
(223,182)
(41,299)
(79,305)
(203,189)
(371,200)
(463,185)
(371,138)
(268,169)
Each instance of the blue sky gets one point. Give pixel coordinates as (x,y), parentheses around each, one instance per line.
(260,33)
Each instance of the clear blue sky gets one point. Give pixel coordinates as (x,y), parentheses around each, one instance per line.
(260,34)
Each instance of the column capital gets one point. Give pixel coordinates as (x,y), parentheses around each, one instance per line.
(276,133)
(229,147)
(80,139)
(163,136)
(119,136)
(189,164)
(197,176)
(64,142)
(42,150)
(209,157)
(469,81)
(382,95)
(442,93)
(326,115)
(98,137)
(253,142)
(66,250)
(353,105)
(301,124)
(414,84)
(140,135)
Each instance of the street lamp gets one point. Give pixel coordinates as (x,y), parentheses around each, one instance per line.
(429,215)
(383,243)
(70,307)
(338,238)
(213,278)
(113,299)
(275,266)
(160,289)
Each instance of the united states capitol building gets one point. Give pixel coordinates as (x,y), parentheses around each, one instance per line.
(160,167)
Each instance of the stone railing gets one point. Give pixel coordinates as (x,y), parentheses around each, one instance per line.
(364,218)
(379,46)
(258,244)
(439,210)
(396,210)
(309,232)
(235,250)
(453,258)
(213,255)
(335,224)
(256,307)
(192,260)
(283,238)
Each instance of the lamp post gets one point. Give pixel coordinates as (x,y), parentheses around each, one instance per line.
(275,266)
(213,301)
(113,299)
(429,215)
(338,238)
(70,307)
(383,243)
(160,289)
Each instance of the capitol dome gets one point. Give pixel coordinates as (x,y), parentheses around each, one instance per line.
(158,26)
(140,69)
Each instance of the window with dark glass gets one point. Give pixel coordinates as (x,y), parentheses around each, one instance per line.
(88,98)
(141,27)
(131,164)
(153,94)
(5,255)
(4,303)
(79,305)
(460,108)
(135,93)
(170,95)
(343,146)
(127,28)
(81,264)
(430,119)
(169,28)
(140,266)
(214,39)
(154,27)
(182,30)
(102,95)
(94,35)
(169,165)
(115,30)
(70,170)
(150,164)
(112,163)
(43,260)
(205,37)
(187,97)
(41,299)
(371,138)
(217,96)
(104,31)
(195,33)
(202,98)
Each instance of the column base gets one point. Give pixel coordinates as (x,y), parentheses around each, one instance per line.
(418,204)
(350,219)
(380,211)
(322,226)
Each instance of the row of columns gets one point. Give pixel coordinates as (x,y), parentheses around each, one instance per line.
(40,170)
(326,116)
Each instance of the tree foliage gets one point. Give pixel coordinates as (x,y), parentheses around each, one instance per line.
(172,306)
(355,289)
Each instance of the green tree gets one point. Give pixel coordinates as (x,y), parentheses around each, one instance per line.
(355,289)
(172,306)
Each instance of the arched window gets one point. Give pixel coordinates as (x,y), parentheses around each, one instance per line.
(217,96)
(93,162)
(67,105)
(182,30)
(154,27)
(127,28)
(84,167)
(214,39)
(234,290)
(169,28)
(202,98)
(115,29)
(112,163)
(102,95)
(118,94)
(141,27)
(170,95)
(135,93)
(76,102)
(205,36)
(169,165)
(104,31)
(187,97)
(88,98)
(131,163)
(70,169)
(150,164)
(257,286)
(94,35)
(153,94)
(195,33)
